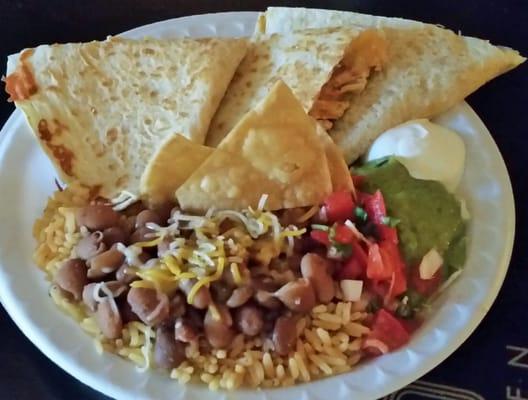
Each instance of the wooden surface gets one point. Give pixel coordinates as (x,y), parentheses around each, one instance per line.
(503,106)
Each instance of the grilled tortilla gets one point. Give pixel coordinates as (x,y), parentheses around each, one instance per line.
(261,156)
(430,70)
(100,110)
(321,66)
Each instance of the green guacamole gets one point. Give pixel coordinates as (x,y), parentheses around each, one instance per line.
(429,216)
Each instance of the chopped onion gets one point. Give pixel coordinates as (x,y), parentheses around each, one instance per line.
(431,262)
(262,202)
(349,224)
(351,289)
(377,344)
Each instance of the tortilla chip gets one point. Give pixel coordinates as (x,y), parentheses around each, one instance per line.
(337,166)
(430,70)
(304,60)
(169,168)
(273,150)
(100,110)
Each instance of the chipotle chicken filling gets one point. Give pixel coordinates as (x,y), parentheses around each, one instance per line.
(366,53)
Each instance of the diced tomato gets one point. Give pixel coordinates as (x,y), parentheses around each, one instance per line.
(339,206)
(376,268)
(351,269)
(425,287)
(356,266)
(390,254)
(411,325)
(389,329)
(387,233)
(343,234)
(358,180)
(359,253)
(380,288)
(320,236)
(374,205)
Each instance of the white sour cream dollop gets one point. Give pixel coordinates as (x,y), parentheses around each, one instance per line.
(428,151)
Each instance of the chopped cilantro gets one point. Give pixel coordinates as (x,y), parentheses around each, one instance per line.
(361,214)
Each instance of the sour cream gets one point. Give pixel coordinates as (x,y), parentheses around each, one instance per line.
(428,151)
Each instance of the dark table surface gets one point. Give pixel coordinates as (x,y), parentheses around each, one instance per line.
(493,363)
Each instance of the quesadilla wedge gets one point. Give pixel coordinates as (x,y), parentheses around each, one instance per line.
(261,156)
(430,70)
(100,110)
(321,66)
(174,162)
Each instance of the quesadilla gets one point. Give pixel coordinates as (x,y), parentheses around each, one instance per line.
(100,110)
(261,156)
(321,66)
(430,70)
(174,162)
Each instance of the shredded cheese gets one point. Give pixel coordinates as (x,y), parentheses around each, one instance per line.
(123,200)
(262,202)
(150,243)
(206,280)
(214,311)
(146,349)
(236,274)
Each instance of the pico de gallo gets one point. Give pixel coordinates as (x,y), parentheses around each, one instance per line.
(382,251)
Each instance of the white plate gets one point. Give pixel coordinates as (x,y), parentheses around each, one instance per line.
(26,179)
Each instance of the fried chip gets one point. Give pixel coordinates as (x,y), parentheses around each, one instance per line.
(176,160)
(274,150)
(338,168)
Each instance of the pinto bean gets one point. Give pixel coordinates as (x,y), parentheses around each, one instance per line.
(202,298)
(316,269)
(113,235)
(164,210)
(71,277)
(249,319)
(108,320)
(284,335)
(177,307)
(219,332)
(168,353)
(298,296)
(184,330)
(97,217)
(105,263)
(90,246)
(220,292)
(147,216)
(142,234)
(88,294)
(127,315)
(163,247)
(239,296)
(151,306)
(125,274)
(267,299)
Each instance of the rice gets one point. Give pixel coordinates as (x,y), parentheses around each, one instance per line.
(329,338)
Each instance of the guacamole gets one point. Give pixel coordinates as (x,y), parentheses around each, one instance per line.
(429,216)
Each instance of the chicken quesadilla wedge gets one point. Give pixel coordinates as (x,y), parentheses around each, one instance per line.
(430,70)
(100,110)
(261,156)
(321,66)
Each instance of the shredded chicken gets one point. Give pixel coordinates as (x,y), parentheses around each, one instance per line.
(366,53)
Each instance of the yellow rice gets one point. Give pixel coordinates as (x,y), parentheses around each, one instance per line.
(329,339)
